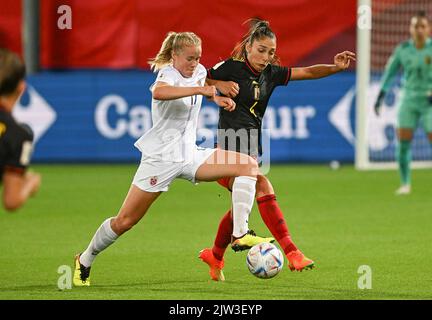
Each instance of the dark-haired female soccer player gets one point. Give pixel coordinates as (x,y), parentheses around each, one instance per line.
(16,140)
(249,77)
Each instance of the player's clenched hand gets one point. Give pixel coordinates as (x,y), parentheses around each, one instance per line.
(208,91)
(224,102)
(342,60)
(228,88)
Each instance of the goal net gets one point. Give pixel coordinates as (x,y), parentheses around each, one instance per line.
(376,136)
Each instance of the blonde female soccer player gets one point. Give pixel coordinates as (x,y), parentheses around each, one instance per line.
(169,150)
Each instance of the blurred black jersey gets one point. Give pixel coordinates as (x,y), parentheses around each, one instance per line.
(16,144)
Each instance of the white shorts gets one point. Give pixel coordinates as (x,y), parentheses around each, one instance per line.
(156,176)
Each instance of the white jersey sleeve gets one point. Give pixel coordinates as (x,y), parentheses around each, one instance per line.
(201,74)
(173,134)
(167,75)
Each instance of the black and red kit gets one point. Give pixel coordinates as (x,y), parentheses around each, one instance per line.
(15,144)
(255,89)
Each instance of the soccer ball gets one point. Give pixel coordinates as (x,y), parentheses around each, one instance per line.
(264,260)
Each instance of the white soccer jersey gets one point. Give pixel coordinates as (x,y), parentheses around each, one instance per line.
(173,135)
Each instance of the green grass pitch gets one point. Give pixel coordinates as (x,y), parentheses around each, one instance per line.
(343,219)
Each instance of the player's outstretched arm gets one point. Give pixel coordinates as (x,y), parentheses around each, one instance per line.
(164,91)
(18,188)
(393,65)
(341,62)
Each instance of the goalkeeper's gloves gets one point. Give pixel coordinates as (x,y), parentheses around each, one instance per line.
(379,101)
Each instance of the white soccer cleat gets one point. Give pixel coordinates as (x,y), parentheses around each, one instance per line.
(403,190)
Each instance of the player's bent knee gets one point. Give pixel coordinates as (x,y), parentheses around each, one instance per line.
(248,170)
(252,168)
(405,134)
(263,187)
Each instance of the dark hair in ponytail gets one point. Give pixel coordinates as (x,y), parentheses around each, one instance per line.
(12,71)
(421,15)
(258,30)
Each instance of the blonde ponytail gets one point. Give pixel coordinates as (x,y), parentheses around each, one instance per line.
(174,42)
(164,55)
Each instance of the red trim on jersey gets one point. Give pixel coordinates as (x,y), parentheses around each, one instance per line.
(17,170)
(251,68)
(288,78)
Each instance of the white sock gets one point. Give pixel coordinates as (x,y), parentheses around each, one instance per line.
(103,238)
(243,195)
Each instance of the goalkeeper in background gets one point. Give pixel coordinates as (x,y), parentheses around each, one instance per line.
(414,57)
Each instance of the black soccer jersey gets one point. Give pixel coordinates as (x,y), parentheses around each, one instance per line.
(255,91)
(15,145)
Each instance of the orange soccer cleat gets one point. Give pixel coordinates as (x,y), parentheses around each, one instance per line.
(298,261)
(216,266)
